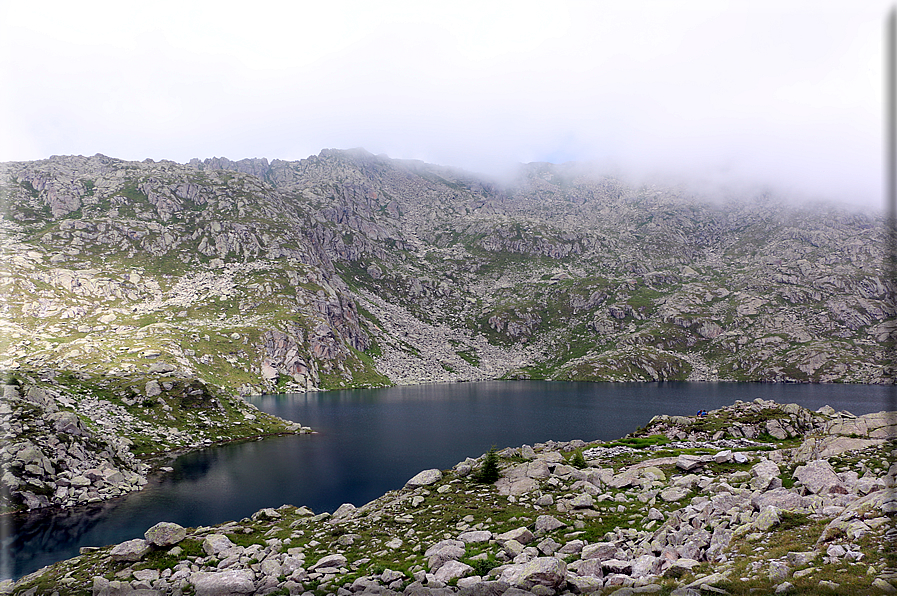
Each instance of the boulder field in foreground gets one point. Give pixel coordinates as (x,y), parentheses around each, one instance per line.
(754,498)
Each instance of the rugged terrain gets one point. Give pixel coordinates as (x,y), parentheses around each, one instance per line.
(348,269)
(139,299)
(71,439)
(752,498)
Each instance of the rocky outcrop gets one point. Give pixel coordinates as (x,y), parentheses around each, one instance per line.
(65,446)
(560,274)
(645,514)
(62,462)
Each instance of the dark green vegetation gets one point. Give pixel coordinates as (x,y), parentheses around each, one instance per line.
(488,472)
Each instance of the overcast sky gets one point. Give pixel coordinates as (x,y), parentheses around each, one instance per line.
(782,92)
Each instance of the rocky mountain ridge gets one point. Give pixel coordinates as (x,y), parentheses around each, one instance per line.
(563,274)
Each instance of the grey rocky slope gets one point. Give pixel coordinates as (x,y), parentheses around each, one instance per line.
(348,269)
(752,498)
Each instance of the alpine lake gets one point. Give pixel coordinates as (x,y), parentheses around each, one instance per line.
(368,442)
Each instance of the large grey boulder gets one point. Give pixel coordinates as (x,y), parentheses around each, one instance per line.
(521,535)
(689,462)
(330,562)
(389,575)
(165,534)
(719,542)
(763,473)
(442,552)
(818,476)
(589,567)
(452,570)
(215,543)
(475,536)
(472,586)
(778,571)
(768,517)
(425,478)
(801,558)
(582,501)
(624,479)
(130,550)
(826,447)
(709,580)
(599,550)
(29,454)
(230,582)
(673,493)
(621,566)
(585,584)
(781,498)
(515,486)
(547,523)
(775,429)
(269,513)
(40,397)
(366,586)
(680,567)
(33,501)
(344,510)
(538,469)
(271,567)
(548,547)
(68,423)
(723,457)
(646,565)
(513,548)
(542,571)
(152,388)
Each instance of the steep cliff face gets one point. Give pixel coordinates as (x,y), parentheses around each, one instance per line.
(348,269)
(111,266)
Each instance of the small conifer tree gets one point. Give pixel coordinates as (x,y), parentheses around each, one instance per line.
(488,472)
(578,461)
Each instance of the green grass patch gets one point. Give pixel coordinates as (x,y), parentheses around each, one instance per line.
(470,356)
(641,442)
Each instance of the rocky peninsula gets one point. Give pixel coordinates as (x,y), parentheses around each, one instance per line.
(75,439)
(751,498)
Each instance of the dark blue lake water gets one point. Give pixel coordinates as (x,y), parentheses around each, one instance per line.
(372,441)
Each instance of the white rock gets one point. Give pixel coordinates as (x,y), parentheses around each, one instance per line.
(130,550)
(451,570)
(425,478)
(222,583)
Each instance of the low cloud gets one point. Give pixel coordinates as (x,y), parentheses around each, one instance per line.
(790,97)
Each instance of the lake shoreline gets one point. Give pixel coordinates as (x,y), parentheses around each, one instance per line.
(548,526)
(481,414)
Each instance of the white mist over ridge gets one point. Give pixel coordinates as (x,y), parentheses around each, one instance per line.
(785,96)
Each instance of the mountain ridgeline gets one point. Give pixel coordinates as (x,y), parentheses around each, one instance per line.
(353,270)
